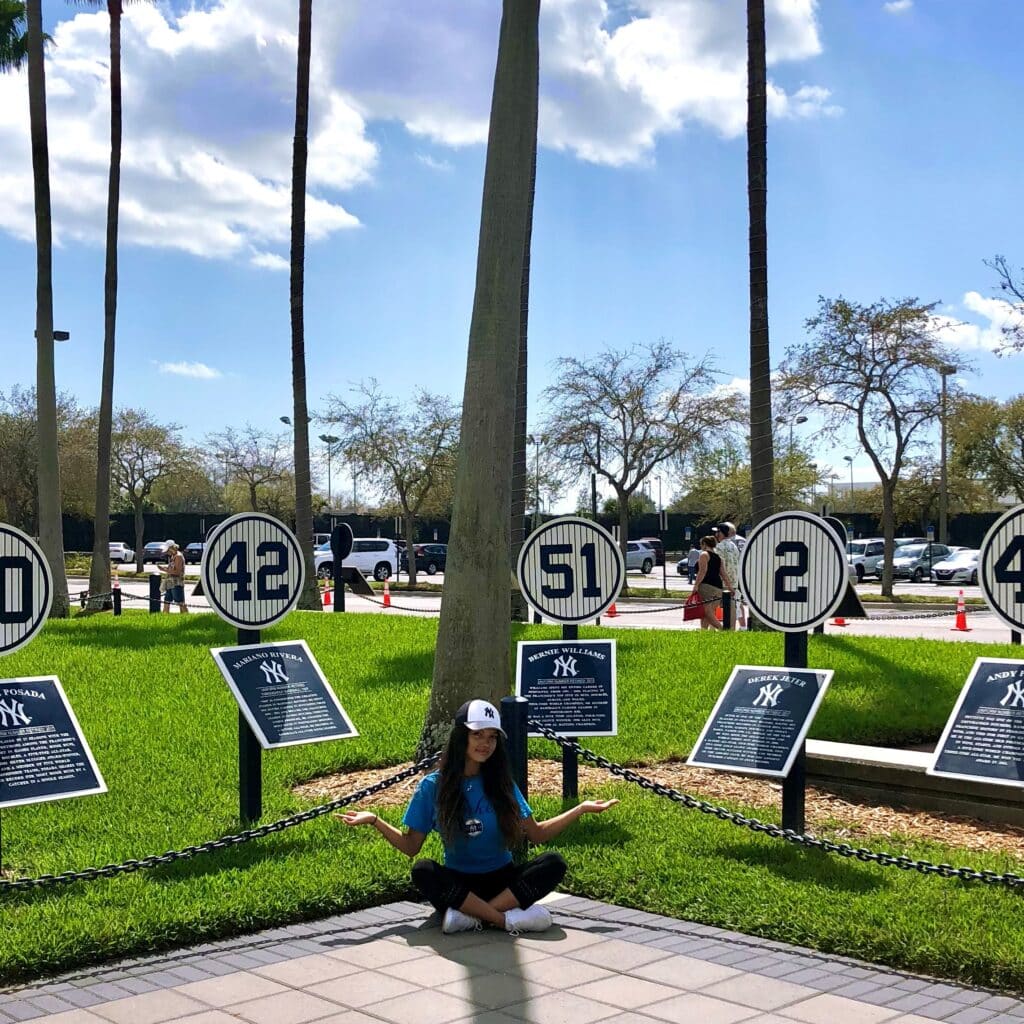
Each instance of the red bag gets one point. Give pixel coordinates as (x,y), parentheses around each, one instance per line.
(693,608)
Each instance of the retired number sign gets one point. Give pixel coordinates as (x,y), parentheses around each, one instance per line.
(793,571)
(252,570)
(571,569)
(26,589)
(1001,565)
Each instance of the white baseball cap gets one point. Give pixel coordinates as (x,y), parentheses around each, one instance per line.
(479,714)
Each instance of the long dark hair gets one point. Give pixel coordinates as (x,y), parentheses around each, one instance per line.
(497,781)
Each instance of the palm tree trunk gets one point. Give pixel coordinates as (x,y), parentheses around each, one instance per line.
(472,656)
(99,575)
(50,535)
(762,456)
(310,598)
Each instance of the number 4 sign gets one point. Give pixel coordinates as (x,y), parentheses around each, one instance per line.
(252,570)
(1001,565)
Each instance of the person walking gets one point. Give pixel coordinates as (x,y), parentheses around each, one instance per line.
(691,563)
(711,580)
(474,805)
(727,550)
(174,578)
(740,542)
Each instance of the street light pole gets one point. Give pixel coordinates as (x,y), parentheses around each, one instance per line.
(329,439)
(536,440)
(849,459)
(944,372)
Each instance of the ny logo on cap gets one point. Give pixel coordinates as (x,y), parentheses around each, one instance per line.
(488,712)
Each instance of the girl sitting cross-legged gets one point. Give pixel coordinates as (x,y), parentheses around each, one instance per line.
(472,802)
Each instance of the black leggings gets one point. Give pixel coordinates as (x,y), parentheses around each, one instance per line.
(445,887)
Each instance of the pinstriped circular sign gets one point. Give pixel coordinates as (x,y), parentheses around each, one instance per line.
(571,569)
(252,570)
(26,588)
(793,571)
(1001,567)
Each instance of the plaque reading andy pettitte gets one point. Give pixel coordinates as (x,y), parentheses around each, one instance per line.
(984,736)
(283,694)
(761,719)
(570,685)
(43,754)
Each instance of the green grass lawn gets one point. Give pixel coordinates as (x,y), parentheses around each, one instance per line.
(162,725)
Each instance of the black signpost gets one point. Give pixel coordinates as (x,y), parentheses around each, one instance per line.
(982,737)
(794,785)
(341,548)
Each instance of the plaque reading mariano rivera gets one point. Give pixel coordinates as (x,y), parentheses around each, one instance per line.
(283,694)
(984,736)
(760,720)
(43,754)
(570,685)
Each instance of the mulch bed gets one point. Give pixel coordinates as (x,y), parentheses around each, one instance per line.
(826,812)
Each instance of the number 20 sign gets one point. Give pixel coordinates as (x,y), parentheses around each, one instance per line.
(1001,565)
(571,569)
(252,570)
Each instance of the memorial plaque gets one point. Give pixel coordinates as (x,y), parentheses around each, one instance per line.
(283,693)
(570,685)
(984,737)
(761,719)
(43,754)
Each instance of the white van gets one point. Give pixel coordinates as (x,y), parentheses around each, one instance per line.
(372,556)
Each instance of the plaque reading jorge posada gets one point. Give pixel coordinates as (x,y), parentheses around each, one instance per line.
(760,720)
(984,736)
(283,693)
(43,754)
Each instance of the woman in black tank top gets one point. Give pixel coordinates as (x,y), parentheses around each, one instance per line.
(711,581)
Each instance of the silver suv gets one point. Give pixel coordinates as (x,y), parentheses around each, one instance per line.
(640,556)
(376,556)
(866,556)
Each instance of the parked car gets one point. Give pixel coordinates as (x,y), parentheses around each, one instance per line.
(654,543)
(120,552)
(372,556)
(155,551)
(866,556)
(639,556)
(915,561)
(321,538)
(430,558)
(194,552)
(960,566)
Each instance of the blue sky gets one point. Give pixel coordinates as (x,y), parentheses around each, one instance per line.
(894,162)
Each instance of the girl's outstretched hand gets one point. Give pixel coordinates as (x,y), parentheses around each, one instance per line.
(357,817)
(597,806)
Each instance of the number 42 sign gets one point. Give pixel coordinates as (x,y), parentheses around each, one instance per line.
(252,570)
(1001,565)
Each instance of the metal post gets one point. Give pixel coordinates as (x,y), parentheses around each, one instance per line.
(944,372)
(726,609)
(117,600)
(250,756)
(1015,637)
(570,759)
(513,721)
(794,785)
(338,583)
(154,593)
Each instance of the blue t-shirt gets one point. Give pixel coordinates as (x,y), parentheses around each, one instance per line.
(481,846)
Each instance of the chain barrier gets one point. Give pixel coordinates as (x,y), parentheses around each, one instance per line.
(233,839)
(1010,880)
(402,607)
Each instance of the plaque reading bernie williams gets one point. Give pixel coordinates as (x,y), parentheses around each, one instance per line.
(283,693)
(761,719)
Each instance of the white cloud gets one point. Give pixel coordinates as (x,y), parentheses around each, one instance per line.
(434,164)
(897,6)
(269,261)
(200,371)
(987,336)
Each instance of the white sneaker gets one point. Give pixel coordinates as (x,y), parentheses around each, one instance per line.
(457,921)
(533,919)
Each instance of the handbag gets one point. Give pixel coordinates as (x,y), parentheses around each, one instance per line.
(693,608)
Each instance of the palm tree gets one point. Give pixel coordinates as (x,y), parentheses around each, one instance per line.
(474,632)
(50,535)
(310,598)
(762,457)
(13,37)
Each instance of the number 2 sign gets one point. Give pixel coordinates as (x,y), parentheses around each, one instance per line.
(571,569)
(1001,564)
(252,570)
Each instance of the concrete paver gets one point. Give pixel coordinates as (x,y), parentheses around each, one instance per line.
(597,964)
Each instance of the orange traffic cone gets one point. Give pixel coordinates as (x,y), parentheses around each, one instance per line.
(327,598)
(718,613)
(839,621)
(961,616)
(612,612)
(387,595)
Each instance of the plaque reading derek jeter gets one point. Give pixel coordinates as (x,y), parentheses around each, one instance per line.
(761,719)
(43,754)
(984,736)
(283,694)
(570,685)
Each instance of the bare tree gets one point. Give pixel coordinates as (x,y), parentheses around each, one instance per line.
(255,458)
(640,408)
(406,451)
(1012,288)
(874,369)
(474,632)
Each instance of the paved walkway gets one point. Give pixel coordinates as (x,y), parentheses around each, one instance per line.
(598,963)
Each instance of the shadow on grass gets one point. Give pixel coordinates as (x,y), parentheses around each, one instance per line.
(799,865)
(201,630)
